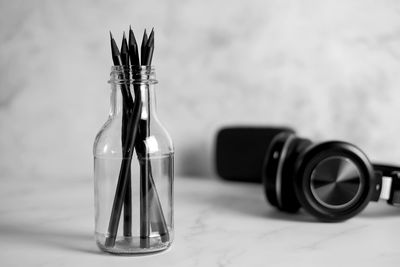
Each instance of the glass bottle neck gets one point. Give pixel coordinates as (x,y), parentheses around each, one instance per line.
(147,98)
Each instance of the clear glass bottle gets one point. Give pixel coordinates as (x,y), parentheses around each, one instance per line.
(133,169)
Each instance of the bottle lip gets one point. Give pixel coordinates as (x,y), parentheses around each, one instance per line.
(133,74)
(133,68)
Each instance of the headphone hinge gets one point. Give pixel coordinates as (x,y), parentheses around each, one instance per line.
(377,186)
(394,198)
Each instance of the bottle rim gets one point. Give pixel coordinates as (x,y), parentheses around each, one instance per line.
(133,74)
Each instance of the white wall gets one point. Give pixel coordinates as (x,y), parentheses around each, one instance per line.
(329,68)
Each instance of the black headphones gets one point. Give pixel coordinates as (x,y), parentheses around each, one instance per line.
(333,181)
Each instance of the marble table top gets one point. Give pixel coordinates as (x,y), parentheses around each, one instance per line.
(49,222)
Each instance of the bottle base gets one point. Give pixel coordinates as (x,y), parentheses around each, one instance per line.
(132,245)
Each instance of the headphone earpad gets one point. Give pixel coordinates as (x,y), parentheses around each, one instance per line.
(271,167)
(289,201)
(278,171)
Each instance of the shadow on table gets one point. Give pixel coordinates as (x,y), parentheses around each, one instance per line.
(38,235)
(249,200)
(244,198)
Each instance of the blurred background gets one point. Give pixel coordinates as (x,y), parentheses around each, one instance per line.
(330,69)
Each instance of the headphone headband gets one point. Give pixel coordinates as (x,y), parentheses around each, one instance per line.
(386,169)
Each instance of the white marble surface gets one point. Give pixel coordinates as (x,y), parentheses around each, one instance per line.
(50,223)
(329,68)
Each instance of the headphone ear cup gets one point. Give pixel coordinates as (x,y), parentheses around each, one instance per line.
(278,171)
(270,172)
(334,181)
(240,151)
(289,200)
